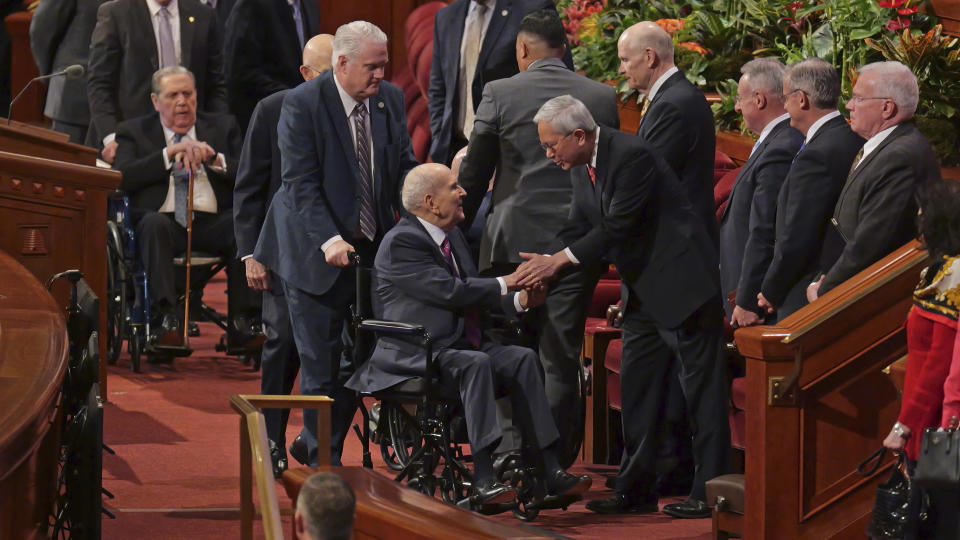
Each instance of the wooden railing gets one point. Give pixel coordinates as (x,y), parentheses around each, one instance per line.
(819,401)
(33,360)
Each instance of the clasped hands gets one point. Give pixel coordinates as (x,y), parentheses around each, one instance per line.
(190,154)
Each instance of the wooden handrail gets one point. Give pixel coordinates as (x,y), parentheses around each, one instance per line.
(255,455)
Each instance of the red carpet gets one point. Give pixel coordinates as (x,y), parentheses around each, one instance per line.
(175,472)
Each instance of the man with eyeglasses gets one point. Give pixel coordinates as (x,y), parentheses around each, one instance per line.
(877,208)
(811,90)
(261,50)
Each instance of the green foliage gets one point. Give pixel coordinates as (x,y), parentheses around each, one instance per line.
(725,115)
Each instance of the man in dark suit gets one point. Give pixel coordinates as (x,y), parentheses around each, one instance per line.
(677,121)
(152,153)
(133,39)
(59,37)
(425,275)
(345,150)
(258,179)
(811,88)
(473,44)
(877,209)
(747,224)
(630,208)
(531,198)
(262,49)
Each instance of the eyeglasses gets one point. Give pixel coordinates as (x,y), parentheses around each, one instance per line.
(794,91)
(551,146)
(313,69)
(861,99)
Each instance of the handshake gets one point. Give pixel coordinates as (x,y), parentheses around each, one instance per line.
(531,276)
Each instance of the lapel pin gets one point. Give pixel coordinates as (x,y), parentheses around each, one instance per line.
(190,18)
(503,13)
(379,104)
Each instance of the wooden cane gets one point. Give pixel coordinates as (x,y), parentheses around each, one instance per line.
(186,296)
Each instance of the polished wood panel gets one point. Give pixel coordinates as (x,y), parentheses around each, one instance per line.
(802,453)
(53,218)
(388,510)
(33,360)
(20,138)
(29,108)
(948,11)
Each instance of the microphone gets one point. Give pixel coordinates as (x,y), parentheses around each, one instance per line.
(74,71)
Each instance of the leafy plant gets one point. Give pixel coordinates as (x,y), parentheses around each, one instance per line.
(725,115)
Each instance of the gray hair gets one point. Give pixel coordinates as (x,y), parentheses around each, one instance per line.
(818,79)
(327,504)
(166,72)
(566,114)
(420,181)
(350,38)
(897,82)
(766,74)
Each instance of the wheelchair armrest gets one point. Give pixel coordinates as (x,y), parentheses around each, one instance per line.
(393,327)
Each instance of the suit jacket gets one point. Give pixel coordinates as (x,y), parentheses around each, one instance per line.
(497,60)
(60,34)
(877,209)
(146,181)
(414,284)
(223,9)
(123,58)
(678,124)
(803,212)
(262,53)
(748,222)
(258,174)
(531,195)
(319,196)
(638,217)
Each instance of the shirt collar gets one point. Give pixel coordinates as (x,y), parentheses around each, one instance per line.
(819,123)
(663,78)
(348,102)
(154,7)
(873,142)
(436,233)
(168,133)
(596,145)
(769,127)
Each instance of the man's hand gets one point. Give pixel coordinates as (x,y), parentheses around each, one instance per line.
(813,290)
(534,296)
(257,277)
(744,317)
(337,254)
(763,304)
(192,154)
(109,152)
(539,268)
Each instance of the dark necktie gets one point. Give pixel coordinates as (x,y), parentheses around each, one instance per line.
(298,21)
(368,223)
(181,188)
(471,324)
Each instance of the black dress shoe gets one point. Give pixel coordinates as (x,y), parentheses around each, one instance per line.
(688,509)
(621,503)
(493,492)
(247,334)
(610,482)
(561,482)
(278,459)
(167,331)
(298,450)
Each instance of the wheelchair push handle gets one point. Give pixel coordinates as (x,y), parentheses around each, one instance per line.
(354,258)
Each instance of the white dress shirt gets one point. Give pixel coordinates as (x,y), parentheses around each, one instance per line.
(662,79)
(873,142)
(204,199)
(348,105)
(767,129)
(819,123)
(438,235)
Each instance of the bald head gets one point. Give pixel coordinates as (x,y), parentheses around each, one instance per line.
(431,192)
(649,35)
(646,53)
(317,56)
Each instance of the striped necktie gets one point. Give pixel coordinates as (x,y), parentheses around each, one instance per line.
(368,221)
(181,188)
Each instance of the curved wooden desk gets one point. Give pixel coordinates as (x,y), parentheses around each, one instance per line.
(33,360)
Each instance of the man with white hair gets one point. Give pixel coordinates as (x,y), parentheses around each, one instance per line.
(425,275)
(877,209)
(747,223)
(629,208)
(345,149)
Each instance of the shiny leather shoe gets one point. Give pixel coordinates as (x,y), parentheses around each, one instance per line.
(298,450)
(623,504)
(247,334)
(561,482)
(493,492)
(688,509)
(167,332)
(278,459)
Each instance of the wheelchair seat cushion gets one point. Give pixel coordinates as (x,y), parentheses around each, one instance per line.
(198,258)
(414,387)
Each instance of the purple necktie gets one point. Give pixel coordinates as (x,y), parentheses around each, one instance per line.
(471,323)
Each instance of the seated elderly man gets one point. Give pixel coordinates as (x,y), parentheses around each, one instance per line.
(325,508)
(155,153)
(425,275)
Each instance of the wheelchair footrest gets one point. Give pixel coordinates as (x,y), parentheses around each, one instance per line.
(177,351)
(551,502)
(486,509)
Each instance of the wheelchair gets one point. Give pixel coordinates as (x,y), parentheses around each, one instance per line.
(421,430)
(128,296)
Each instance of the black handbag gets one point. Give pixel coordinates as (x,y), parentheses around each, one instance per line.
(893,517)
(938,465)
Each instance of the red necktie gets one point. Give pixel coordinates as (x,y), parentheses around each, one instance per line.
(471,322)
(592,171)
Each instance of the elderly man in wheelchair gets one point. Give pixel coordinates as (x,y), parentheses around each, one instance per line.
(423,274)
(156,153)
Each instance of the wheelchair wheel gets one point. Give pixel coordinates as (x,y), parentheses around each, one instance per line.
(135,347)
(456,483)
(116,296)
(404,436)
(523,481)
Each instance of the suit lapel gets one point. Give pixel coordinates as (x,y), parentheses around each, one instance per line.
(604,184)
(462,254)
(187,18)
(453,43)
(898,132)
(825,128)
(664,88)
(334,106)
(311,18)
(498,19)
(437,255)
(752,160)
(378,127)
(144,27)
